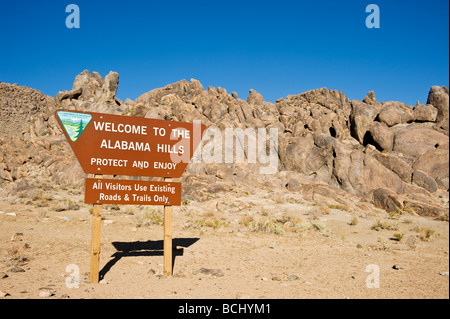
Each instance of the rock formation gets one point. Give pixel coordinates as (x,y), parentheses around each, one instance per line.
(358,153)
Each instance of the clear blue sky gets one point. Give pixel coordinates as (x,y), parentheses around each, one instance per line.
(275,47)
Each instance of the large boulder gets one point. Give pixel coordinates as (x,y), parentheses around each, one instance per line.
(396,163)
(90,92)
(362,117)
(110,86)
(435,163)
(425,113)
(254,97)
(188,91)
(302,155)
(417,139)
(323,158)
(382,135)
(64,95)
(370,99)
(91,86)
(423,180)
(387,200)
(393,113)
(438,97)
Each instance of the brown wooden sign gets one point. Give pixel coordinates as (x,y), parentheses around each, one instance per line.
(109,144)
(130,192)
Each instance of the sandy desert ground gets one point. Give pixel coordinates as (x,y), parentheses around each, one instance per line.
(244,244)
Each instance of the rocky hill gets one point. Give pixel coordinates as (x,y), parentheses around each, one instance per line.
(331,150)
(18,105)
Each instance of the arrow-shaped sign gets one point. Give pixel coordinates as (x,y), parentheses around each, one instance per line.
(124,145)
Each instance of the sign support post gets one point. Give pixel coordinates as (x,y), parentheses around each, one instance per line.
(167,237)
(95,244)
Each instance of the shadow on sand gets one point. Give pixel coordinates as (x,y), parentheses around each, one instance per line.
(145,248)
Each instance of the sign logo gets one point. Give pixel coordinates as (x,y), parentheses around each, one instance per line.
(74,123)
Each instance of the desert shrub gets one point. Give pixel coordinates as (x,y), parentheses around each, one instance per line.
(210,222)
(67,205)
(266,225)
(425,234)
(16,253)
(320,227)
(379,225)
(313,224)
(150,216)
(354,221)
(398,236)
(340,207)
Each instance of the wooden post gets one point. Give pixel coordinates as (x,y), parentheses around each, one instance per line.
(167,238)
(95,240)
